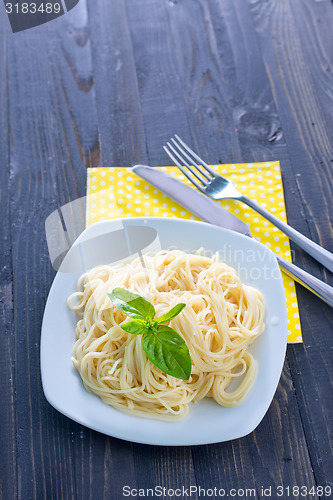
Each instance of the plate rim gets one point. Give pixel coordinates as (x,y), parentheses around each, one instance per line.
(160,441)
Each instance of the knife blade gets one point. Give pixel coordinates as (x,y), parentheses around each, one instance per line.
(193,200)
(209,211)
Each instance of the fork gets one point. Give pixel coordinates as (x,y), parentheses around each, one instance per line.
(217,187)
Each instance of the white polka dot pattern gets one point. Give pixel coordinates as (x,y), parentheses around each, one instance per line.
(117,192)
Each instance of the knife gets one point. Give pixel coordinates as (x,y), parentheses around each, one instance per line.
(209,211)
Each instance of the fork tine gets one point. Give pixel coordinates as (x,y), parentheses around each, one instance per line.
(200,160)
(200,169)
(204,180)
(182,169)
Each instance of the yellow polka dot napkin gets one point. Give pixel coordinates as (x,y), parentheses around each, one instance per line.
(115,192)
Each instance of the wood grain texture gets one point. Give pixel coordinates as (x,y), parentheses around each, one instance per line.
(118,102)
(300,74)
(7,359)
(298,64)
(53,137)
(161,96)
(108,84)
(197,54)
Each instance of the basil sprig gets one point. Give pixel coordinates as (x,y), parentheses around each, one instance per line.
(164,347)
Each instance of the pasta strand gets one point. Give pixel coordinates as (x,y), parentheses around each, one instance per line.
(221,319)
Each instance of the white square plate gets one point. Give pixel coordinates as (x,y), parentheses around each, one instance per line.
(207,422)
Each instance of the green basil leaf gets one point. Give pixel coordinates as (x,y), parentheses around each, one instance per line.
(136,327)
(167,350)
(171,314)
(132,304)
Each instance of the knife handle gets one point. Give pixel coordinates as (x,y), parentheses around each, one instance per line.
(319,288)
(316,251)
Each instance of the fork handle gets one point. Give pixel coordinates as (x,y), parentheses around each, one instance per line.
(316,251)
(319,288)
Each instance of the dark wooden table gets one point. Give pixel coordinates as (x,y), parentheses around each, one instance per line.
(108,84)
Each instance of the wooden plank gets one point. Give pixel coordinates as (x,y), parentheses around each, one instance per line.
(298,79)
(122,130)
(242,69)
(54,136)
(169,467)
(232,114)
(8,478)
(294,41)
(161,93)
(196,61)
